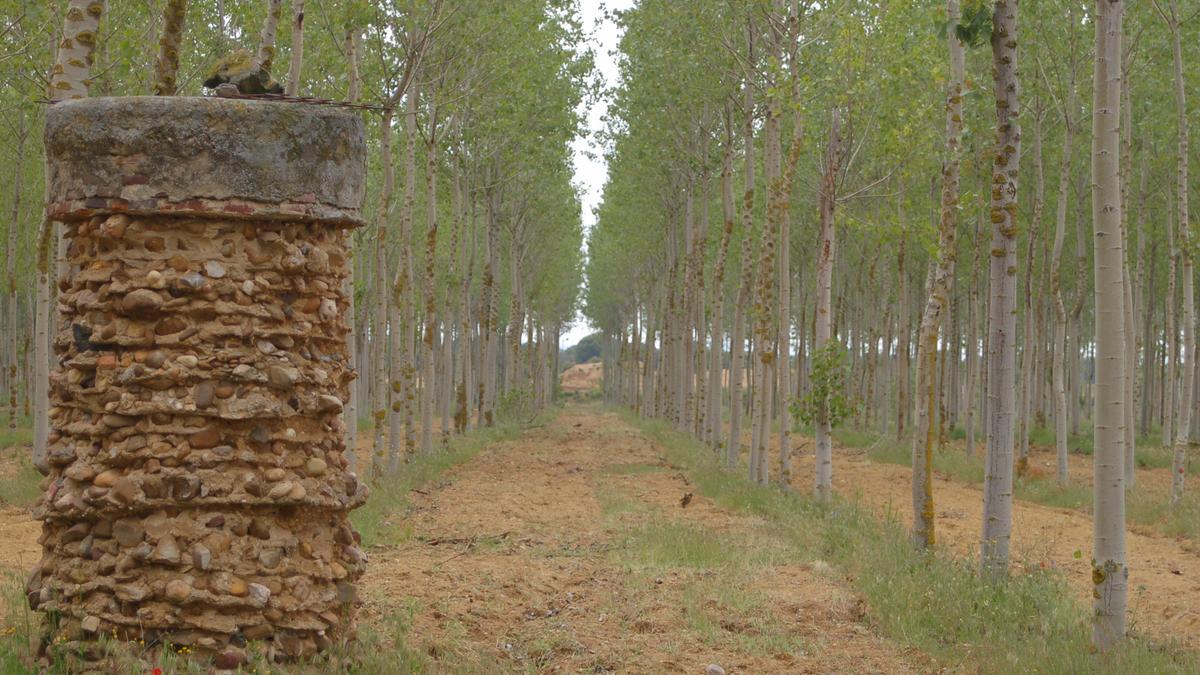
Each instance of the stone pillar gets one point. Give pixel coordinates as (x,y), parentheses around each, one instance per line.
(197,493)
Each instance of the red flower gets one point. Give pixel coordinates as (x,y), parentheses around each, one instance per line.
(156,671)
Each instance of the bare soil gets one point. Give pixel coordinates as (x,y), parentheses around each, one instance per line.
(583,378)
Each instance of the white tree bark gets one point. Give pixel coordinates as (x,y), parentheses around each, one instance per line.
(998,470)
(1058,366)
(379,325)
(296,59)
(266,41)
(350,414)
(69,78)
(167,66)
(1109,571)
(1182,426)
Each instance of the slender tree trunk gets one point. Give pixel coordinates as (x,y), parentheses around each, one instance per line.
(350,414)
(737,343)
(784,340)
(974,358)
(715,426)
(998,472)
(1171,332)
(76,51)
(904,334)
(1130,352)
(404,304)
(266,41)
(1150,356)
(428,385)
(826,257)
(69,79)
(765,298)
(451,365)
(1076,340)
(297,56)
(41,347)
(1028,350)
(939,293)
(1060,308)
(382,400)
(167,65)
(1109,571)
(1184,422)
(353,52)
(492,330)
(10,272)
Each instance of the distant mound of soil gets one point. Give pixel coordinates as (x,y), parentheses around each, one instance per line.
(583,377)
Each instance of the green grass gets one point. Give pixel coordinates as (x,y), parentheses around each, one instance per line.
(1155,511)
(20,437)
(933,602)
(1151,455)
(633,469)
(23,488)
(891,451)
(615,502)
(726,614)
(378,520)
(1047,492)
(660,545)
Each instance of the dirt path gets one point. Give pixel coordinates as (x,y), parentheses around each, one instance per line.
(568,550)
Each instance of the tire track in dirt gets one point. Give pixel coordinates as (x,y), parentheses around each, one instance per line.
(520,560)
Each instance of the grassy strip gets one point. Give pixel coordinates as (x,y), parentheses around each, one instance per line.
(935,603)
(1150,509)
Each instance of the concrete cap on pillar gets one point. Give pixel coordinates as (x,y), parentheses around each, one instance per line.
(205,155)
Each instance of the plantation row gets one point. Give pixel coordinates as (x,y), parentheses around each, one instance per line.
(897,215)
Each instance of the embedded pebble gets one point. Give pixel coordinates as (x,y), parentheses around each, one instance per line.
(166,551)
(178,591)
(214,269)
(203,394)
(141,301)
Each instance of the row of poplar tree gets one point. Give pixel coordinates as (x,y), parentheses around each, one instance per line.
(918,216)
(470,262)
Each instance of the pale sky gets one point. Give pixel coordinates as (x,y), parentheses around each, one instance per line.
(590,172)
